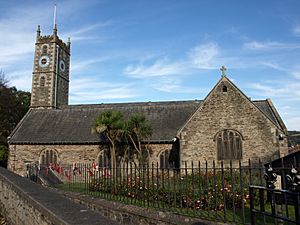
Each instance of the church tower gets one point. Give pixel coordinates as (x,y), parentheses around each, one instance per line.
(51,69)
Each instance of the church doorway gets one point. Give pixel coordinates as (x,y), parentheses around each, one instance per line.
(169,158)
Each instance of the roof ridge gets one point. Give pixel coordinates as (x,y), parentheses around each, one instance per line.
(126,104)
(259,100)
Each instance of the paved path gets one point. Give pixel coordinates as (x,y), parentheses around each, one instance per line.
(53,204)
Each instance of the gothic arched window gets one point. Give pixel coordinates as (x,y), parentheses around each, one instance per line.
(48,156)
(103,159)
(42,82)
(229,145)
(164,159)
(44,49)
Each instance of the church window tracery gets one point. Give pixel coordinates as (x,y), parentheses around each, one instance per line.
(103,159)
(48,157)
(229,145)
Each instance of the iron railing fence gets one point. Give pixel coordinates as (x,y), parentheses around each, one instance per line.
(269,205)
(218,192)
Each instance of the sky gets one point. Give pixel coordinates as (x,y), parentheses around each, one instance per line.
(161,50)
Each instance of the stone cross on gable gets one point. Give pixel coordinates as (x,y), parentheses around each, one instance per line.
(223,69)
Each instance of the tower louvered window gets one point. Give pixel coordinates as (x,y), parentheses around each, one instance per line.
(42,82)
(229,145)
(45,49)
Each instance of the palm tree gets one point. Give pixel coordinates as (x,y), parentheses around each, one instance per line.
(110,124)
(137,129)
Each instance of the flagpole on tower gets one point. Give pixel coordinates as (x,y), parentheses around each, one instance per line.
(54,17)
(54,21)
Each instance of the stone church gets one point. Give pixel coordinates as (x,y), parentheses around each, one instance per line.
(226,125)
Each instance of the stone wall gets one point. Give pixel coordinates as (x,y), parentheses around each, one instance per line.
(134,215)
(23,202)
(20,155)
(229,110)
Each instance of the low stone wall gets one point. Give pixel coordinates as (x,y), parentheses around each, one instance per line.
(23,202)
(134,215)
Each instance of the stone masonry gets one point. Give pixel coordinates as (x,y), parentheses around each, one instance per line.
(54,69)
(23,202)
(230,110)
(20,155)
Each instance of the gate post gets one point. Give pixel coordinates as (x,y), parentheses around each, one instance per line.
(252,213)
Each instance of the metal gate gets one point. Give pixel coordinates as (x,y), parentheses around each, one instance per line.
(273,205)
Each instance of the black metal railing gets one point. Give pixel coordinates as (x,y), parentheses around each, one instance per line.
(213,191)
(232,192)
(279,201)
(275,206)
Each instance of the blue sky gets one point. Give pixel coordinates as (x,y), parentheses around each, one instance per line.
(141,50)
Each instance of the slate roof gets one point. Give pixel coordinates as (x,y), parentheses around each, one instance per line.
(267,110)
(72,124)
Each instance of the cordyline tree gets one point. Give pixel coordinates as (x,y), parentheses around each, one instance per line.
(111,125)
(137,129)
(13,106)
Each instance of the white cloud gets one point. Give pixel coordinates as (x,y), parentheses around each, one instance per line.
(90,90)
(272,65)
(292,122)
(15,45)
(286,94)
(204,56)
(296,74)
(81,65)
(22,79)
(159,68)
(86,32)
(289,91)
(172,85)
(296,31)
(269,45)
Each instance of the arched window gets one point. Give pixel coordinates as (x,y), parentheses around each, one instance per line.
(164,160)
(229,145)
(42,82)
(103,159)
(44,49)
(48,156)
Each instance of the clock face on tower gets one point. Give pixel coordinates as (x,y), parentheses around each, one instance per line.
(44,61)
(62,65)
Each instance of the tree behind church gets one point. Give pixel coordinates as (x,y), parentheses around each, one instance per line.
(13,106)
